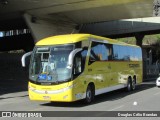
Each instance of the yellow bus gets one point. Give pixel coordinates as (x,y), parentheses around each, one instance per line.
(68,68)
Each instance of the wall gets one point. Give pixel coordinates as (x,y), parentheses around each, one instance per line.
(13,78)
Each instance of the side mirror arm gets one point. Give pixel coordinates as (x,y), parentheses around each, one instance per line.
(71,57)
(24,58)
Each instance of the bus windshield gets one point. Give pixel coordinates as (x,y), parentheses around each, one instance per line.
(49,64)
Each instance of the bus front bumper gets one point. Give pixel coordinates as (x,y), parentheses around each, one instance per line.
(63,94)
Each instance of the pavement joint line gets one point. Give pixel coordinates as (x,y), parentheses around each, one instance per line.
(157,93)
(116,108)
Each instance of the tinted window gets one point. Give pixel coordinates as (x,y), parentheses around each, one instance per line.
(84,54)
(99,52)
(126,53)
(79,62)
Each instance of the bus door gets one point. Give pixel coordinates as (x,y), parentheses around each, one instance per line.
(97,64)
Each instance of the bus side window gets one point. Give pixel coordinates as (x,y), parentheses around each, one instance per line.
(79,62)
(100,52)
(84,55)
(77,69)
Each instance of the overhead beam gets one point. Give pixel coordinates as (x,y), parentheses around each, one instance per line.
(41,28)
(83,4)
(79,11)
(124,27)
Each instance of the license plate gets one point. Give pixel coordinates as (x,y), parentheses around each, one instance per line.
(42,77)
(46,97)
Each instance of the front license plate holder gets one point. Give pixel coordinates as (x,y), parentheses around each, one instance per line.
(46,97)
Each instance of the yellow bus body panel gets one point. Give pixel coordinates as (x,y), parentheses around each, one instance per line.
(65,92)
(73,38)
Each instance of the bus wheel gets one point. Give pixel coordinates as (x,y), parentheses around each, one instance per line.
(133,87)
(129,84)
(89,95)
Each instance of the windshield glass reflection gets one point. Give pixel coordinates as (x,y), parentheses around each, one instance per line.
(49,64)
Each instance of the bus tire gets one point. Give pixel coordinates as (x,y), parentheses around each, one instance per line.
(133,87)
(129,84)
(89,94)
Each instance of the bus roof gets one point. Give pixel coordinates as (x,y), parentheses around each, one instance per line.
(73,38)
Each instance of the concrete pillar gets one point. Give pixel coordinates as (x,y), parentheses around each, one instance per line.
(139,39)
(43,27)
